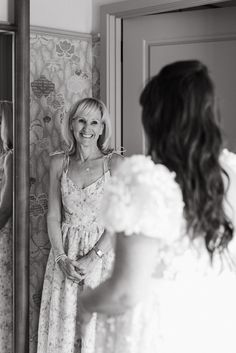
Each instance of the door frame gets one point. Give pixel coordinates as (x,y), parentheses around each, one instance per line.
(111,48)
(18,24)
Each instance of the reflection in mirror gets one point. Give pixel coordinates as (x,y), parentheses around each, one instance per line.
(6,191)
(60,73)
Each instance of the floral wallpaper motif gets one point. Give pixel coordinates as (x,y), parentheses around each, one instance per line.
(96,67)
(61,71)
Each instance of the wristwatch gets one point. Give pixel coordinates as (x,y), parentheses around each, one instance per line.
(98,252)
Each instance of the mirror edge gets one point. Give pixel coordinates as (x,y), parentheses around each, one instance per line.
(21,179)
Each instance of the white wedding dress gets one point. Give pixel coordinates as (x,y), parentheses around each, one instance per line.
(190,305)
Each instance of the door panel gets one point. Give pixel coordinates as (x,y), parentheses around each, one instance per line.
(150,42)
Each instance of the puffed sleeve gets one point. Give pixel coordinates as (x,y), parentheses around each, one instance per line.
(228,161)
(143,198)
(229,158)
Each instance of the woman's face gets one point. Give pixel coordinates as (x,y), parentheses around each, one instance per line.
(87,128)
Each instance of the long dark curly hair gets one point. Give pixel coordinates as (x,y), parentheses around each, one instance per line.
(180,121)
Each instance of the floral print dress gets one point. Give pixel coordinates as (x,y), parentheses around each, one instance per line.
(190,303)
(59,330)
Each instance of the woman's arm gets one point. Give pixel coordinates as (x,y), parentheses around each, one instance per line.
(54,218)
(134,264)
(6,202)
(54,206)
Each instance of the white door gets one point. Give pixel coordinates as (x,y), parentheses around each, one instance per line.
(150,42)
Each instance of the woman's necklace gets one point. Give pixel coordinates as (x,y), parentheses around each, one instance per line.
(87,163)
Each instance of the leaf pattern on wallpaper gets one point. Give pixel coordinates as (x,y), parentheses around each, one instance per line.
(42,87)
(65,48)
(56,100)
(38,205)
(60,73)
(47,119)
(96,67)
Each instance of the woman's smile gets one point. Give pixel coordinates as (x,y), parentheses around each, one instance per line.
(85,135)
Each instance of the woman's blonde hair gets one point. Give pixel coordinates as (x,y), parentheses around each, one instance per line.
(83,107)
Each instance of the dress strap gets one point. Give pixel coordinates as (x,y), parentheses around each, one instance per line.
(107,163)
(66,162)
(105,167)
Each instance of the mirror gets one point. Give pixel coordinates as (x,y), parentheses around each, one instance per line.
(14,86)
(6,190)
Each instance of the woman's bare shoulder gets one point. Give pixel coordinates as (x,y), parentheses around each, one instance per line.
(57,160)
(115,160)
(117,157)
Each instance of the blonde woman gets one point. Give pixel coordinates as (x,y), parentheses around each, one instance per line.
(81,252)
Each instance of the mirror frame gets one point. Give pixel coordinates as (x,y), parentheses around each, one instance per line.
(21,91)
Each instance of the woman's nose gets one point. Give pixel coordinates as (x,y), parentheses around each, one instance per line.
(86,128)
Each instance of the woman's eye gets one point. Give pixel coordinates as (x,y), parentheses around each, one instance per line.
(81,121)
(94,123)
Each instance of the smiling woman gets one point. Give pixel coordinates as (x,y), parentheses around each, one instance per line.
(81,252)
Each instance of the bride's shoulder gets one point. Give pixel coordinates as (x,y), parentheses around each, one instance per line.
(141,169)
(142,197)
(228,158)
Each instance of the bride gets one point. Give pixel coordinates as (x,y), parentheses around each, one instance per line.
(173,214)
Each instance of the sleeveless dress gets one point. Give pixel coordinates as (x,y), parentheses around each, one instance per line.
(190,304)
(81,228)
(6,279)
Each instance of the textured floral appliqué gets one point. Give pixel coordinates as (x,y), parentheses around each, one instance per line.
(142,198)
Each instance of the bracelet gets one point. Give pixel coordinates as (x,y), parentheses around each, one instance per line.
(98,252)
(59,257)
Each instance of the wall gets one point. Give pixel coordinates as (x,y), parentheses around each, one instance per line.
(6,11)
(73,15)
(3,10)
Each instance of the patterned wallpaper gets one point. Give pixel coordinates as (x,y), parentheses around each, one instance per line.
(96,67)
(63,68)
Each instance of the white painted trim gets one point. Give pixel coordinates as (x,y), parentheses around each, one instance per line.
(134,8)
(60,32)
(118,86)
(195,39)
(110,37)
